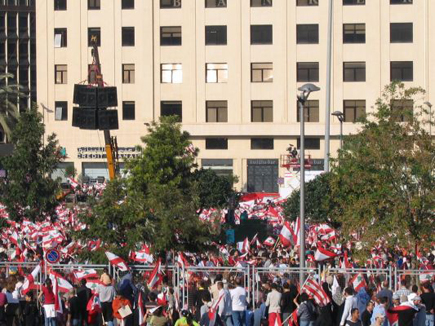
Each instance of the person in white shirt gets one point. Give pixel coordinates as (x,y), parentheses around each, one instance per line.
(348,305)
(225,304)
(238,299)
(273,302)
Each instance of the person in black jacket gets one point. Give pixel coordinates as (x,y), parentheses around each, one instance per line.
(366,316)
(83,294)
(287,304)
(30,311)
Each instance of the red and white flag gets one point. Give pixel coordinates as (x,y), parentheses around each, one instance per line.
(246,247)
(345,262)
(140,307)
(296,231)
(212,313)
(322,254)
(182,261)
(269,242)
(87,273)
(57,293)
(141,256)
(155,277)
(94,305)
(314,289)
(62,284)
(93,284)
(293,319)
(286,235)
(358,282)
(73,182)
(117,261)
(30,280)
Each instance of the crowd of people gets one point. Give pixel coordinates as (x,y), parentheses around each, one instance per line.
(217,299)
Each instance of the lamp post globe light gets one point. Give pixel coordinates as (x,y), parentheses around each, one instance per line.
(340,117)
(305,90)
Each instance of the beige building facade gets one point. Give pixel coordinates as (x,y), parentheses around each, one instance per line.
(230,69)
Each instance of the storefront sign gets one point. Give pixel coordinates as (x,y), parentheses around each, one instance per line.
(96,153)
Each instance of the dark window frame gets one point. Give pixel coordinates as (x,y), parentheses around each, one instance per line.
(401,2)
(176,105)
(402,70)
(60,74)
(261,3)
(172,4)
(127,4)
(262,143)
(127,33)
(216,70)
(64,106)
(312,72)
(355,37)
(94,31)
(355,71)
(128,110)
(128,74)
(311,143)
(311,31)
(60,5)
(307,3)
(216,143)
(309,114)
(216,3)
(262,71)
(94,4)
(162,70)
(353,105)
(262,106)
(354,2)
(399,33)
(64,36)
(262,34)
(172,40)
(403,105)
(213,106)
(216,35)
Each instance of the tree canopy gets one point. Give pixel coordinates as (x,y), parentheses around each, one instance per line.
(29,192)
(9,95)
(383,180)
(159,200)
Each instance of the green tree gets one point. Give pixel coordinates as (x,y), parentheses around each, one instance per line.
(319,204)
(383,180)
(9,94)
(159,196)
(214,190)
(29,191)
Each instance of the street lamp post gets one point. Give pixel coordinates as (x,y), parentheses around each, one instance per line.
(340,117)
(302,98)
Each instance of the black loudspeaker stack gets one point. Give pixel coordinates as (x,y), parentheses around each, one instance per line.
(92,113)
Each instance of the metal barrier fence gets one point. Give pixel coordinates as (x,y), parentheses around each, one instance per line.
(371,275)
(413,276)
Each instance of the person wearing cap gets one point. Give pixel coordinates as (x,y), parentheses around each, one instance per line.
(378,320)
(396,300)
(381,309)
(420,316)
(428,299)
(406,311)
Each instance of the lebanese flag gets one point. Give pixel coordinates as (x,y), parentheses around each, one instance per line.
(322,254)
(14,238)
(182,261)
(286,235)
(358,282)
(62,284)
(56,291)
(141,256)
(140,307)
(269,242)
(293,319)
(30,280)
(87,273)
(155,277)
(313,289)
(345,263)
(93,284)
(246,247)
(117,261)
(73,183)
(258,244)
(392,313)
(278,321)
(94,305)
(214,308)
(296,231)
(426,276)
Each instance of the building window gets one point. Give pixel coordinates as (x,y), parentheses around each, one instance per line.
(262,72)
(215,35)
(128,73)
(94,35)
(216,143)
(60,37)
(128,110)
(307,2)
(217,111)
(261,34)
(127,4)
(215,3)
(354,2)
(354,33)
(354,71)
(168,108)
(216,72)
(170,35)
(354,110)
(307,34)
(59,4)
(261,111)
(172,73)
(60,74)
(402,110)
(400,2)
(222,167)
(93,4)
(61,110)
(402,70)
(311,111)
(261,3)
(307,72)
(164,4)
(401,33)
(261,143)
(128,36)
(310,143)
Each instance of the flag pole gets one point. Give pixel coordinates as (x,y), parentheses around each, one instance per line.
(276,243)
